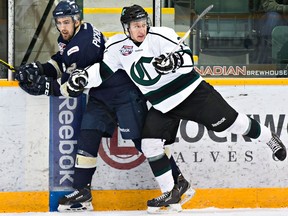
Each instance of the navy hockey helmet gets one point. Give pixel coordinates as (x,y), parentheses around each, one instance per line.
(66,8)
(133,13)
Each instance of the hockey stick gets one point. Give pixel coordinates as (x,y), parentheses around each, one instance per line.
(10,67)
(188,32)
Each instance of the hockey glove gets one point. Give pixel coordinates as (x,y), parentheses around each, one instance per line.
(170,65)
(41,85)
(29,73)
(76,83)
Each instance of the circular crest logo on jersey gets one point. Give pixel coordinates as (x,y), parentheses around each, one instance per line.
(126,50)
(139,72)
(119,157)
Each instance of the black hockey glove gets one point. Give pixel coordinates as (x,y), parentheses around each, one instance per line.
(169,65)
(76,83)
(41,85)
(29,73)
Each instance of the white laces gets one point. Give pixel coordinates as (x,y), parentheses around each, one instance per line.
(163,196)
(273,144)
(73,194)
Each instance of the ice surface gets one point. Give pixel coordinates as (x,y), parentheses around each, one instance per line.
(194,212)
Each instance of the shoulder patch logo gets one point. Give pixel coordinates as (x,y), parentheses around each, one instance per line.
(126,50)
(73,50)
(62,47)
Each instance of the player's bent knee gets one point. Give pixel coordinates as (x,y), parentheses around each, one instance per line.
(89,142)
(152,147)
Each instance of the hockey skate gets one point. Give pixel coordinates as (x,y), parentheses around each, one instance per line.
(278,148)
(79,200)
(185,190)
(167,202)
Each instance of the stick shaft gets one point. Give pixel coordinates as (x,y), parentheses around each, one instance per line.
(190,29)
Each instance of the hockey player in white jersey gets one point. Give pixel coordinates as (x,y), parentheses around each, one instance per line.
(176,91)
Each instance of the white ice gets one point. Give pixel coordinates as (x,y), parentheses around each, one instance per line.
(194,212)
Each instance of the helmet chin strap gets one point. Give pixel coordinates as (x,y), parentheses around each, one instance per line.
(76,29)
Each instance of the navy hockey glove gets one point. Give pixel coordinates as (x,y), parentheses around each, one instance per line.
(76,83)
(28,73)
(169,65)
(40,85)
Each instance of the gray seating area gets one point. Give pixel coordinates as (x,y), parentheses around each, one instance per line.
(280,45)
(226,34)
(226,30)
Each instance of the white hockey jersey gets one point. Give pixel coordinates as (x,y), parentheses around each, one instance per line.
(164,92)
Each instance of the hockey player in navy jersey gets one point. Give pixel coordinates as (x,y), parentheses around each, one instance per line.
(176,91)
(115,101)
(80,44)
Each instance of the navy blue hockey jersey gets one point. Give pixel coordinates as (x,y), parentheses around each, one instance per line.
(85,48)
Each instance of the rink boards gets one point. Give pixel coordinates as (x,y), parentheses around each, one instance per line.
(37,147)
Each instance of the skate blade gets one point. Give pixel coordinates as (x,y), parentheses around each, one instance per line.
(187,196)
(79,207)
(173,208)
